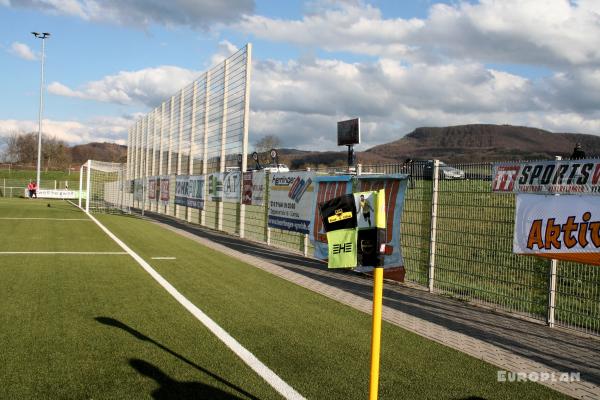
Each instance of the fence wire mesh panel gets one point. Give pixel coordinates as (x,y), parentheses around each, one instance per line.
(578,297)
(474,258)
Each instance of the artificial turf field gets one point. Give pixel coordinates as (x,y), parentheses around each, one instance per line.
(97,326)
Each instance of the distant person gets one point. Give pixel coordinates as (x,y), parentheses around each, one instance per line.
(578,152)
(34,188)
(365,207)
(30,189)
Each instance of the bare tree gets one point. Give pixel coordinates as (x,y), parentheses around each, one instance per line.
(55,153)
(267,143)
(9,148)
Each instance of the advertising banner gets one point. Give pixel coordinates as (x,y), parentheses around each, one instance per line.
(231,186)
(152,188)
(326,188)
(181,189)
(215,186)
(164,189)
(195,192)
(253,191)
(290,200)
(548,177)
(138,190)
(560,227)
(395,190)
(57,194)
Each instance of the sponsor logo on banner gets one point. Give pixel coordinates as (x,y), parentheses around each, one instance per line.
(195,193)
(231,186)
(138,190)
(215,186)
(181,189)
(548,177)
(560,227)
(253,191)
(152,188)
(56,194)
(290,201)
(164,189)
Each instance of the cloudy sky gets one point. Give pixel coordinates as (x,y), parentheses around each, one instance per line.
(395,64)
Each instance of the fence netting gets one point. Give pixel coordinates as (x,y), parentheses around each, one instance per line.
(471,227)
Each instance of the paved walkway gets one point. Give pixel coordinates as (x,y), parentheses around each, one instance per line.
(510,343)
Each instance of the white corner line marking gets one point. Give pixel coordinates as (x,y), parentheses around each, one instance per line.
(250,359)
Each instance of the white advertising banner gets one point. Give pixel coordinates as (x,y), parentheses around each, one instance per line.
(547,177)
(560,227)
(181,189)
(215,186)
(232,186)
(195,194)
(290,200)
(56,194)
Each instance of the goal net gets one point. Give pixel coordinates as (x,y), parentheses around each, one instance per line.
(105,188)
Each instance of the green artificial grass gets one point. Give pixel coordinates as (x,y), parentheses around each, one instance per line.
(101,327)
(319,346)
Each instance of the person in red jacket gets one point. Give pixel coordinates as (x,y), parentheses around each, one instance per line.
(30,189)
(34,189)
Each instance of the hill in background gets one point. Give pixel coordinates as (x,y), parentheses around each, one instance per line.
(111,152)
(456,144)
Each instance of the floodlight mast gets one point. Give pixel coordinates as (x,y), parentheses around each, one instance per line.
(43,36)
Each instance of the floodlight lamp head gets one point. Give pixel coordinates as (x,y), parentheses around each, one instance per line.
(36,34)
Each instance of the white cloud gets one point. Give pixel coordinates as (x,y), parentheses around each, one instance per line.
(149,86)
(142,13)
(224,50)
(301,101)
(99,129)
(551,33)
(23,51)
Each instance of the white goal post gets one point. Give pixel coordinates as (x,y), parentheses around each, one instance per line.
(104,188)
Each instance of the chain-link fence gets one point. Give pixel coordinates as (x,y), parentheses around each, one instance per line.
(456,239)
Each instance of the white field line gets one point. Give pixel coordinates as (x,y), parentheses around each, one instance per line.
(250,359)
(164,258)
(50,219)
(77,253)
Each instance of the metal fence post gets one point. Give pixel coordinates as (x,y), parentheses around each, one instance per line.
(88,181)
(267,196)
(434,204)
(552,277)
(80,184)
(4,187)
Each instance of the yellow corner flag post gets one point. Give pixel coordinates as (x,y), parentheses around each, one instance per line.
(380,223)
(376,335)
